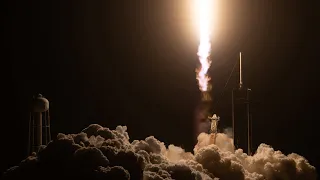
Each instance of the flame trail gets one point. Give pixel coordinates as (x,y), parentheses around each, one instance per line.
(203,9)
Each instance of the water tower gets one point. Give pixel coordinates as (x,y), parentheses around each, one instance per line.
(39,124)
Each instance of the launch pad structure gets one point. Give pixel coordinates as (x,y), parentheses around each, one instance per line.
(241,115)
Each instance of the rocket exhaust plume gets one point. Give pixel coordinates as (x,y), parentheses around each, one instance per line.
(203,10)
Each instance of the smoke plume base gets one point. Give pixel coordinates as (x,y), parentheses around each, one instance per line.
(100,153)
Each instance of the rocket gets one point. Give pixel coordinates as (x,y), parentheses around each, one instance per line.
(214,123)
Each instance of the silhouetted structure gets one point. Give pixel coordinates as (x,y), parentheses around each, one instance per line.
(241,118)
(39,121)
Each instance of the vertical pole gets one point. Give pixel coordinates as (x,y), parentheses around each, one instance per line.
(44,128)
(240,66)
(232,104)
(38,120)
(248,121)
(251,135)
(49,131)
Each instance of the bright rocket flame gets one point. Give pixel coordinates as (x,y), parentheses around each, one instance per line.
(203,9)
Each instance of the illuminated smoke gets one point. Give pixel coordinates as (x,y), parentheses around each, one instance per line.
(100,153)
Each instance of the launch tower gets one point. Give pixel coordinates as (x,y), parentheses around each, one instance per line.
(39,124)
(241,118)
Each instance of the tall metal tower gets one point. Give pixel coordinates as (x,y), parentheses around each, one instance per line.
(39,122)
(241,118)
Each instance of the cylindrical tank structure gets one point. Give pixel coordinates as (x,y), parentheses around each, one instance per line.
(39,106)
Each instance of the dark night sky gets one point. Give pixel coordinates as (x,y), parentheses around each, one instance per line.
(133,63)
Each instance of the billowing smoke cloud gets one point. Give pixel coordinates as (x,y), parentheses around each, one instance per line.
(101,153)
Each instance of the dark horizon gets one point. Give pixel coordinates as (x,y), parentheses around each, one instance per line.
(134,64)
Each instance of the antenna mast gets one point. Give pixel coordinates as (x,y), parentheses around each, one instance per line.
(240,82)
